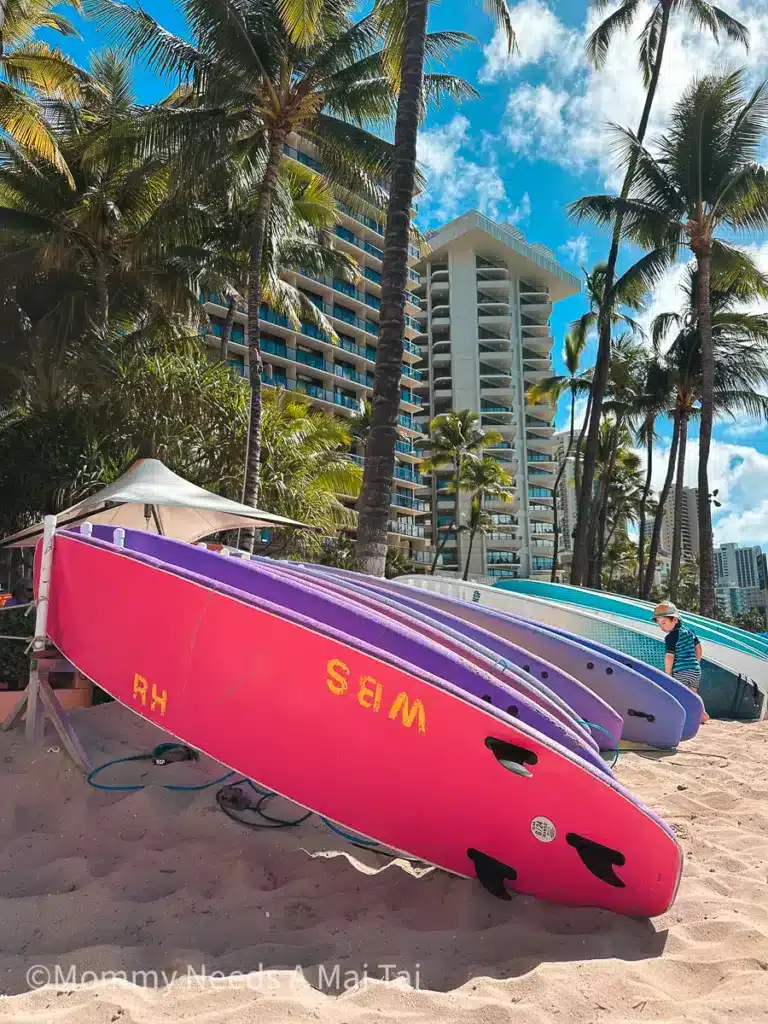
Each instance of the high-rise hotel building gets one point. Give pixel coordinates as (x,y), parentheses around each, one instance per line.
(486,298)
(337,377)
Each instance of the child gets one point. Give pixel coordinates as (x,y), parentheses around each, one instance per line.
(683,658)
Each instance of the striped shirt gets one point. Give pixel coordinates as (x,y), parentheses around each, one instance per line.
(681,642)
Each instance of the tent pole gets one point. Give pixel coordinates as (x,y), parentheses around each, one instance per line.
(39,698)
(156,517)
(35,725)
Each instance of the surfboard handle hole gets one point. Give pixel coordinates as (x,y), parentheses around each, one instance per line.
(545,675)
(488,698)
(590,664)
(641,714)
(513,710)
(512,757)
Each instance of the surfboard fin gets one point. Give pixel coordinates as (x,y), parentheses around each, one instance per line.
(492,873)
(598,859)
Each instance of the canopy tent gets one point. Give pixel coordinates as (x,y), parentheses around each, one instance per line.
(149,496)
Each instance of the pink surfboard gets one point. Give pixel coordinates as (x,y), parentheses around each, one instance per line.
(395,756)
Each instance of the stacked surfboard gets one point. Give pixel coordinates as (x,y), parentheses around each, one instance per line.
(735,662)
(447,730)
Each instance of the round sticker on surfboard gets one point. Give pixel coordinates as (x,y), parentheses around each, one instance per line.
(543,829)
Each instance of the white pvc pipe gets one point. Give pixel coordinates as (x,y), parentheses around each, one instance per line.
(44,584)
(86,529)
(119,537)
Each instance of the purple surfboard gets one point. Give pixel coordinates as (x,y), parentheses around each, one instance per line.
(587,706)
(427,625)
(651,715)
(357,623)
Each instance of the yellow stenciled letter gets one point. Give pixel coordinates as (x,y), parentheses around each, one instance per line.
(410,711)
(140,688)
(158,698)
(367,697)
(337,676)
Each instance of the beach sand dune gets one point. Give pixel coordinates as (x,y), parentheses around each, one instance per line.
(163,882)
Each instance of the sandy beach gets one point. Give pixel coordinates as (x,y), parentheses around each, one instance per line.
(162,882)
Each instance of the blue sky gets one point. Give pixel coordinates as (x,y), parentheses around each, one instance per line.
(535,140)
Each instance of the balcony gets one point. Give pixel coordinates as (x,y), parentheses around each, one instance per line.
(313,391)
(502,574)
(369,222)
(359,243)
(501,558)
(499,541)
(406,528)
(403,501)
(408,474)
(541,513)
(542,493)
(425,558)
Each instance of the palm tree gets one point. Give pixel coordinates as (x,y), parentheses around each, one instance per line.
(262,71)
(653,39)
(619,412)
(112,221)
(703,176)
(652,401)
(306,466)
(455,438)
(551,389)
(485,480)
(629,297)
(360,423)
(405,25)
(31,71)
(740,370)
(301,241)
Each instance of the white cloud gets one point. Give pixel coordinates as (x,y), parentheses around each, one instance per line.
(540,36)
(456,183)
(563,117)
(522,211)
(576,249)
(739,474)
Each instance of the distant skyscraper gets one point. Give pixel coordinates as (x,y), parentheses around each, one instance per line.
(690,524)
(486,298)
(740,566)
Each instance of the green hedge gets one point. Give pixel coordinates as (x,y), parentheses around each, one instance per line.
(14,661)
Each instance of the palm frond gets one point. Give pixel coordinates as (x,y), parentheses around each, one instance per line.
(136,32)
(619,20)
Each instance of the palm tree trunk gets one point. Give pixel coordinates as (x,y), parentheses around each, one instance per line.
(706,550)
(469,554)
(602,544)
(600,379)
(376,494)
(226,331)
(677,529)
(653,550)
(556,527)
(600,510)
(3,12)
(453,529)
(649,425)
(102,292)
(579,447)
(255,365)
(558,478)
